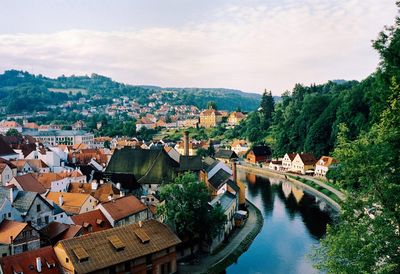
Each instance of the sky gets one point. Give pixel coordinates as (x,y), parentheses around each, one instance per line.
(249,45)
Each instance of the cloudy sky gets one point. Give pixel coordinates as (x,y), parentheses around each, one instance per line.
(247,44)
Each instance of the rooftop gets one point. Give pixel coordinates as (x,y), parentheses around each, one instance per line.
(123,207)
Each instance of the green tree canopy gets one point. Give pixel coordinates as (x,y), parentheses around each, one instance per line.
(187,209)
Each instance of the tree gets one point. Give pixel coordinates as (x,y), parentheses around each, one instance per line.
(107,144)
(367,238)
(187,209)
(267,108)
(212,104)
(12,132)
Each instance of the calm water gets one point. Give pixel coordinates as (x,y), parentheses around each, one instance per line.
(293,222)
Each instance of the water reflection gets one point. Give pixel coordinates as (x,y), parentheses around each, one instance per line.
(294,220)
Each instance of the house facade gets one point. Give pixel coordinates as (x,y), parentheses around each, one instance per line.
(146,247)
(210,118)
(323,165)
(287,161)
(303,162)
(17,237)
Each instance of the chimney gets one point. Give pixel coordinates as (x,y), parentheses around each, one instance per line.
(234,172)
(60,200)
(121,194)
(101,182)
(119,186)
(94,185)
(140,223)
(38,264)
(186,143)
(109,197)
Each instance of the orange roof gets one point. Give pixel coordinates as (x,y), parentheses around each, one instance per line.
(124,207)
(209,112)
(31,125)
(72,201)
(11,124)
(237,115)
(326,161)
(45,179)
(239,143)
(10,229)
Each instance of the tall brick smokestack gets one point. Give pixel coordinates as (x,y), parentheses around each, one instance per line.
(186,143)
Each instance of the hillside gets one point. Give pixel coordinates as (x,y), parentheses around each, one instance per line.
(37,92)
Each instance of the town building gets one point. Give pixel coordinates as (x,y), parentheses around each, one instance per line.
(41,260)
(225,155)
(66,137)
(73,203)
(258,154)
(17,237)
(303,163)
(287,161)
(124,210)
(235,118)
(145,247)
(92,221)
(210,118)
(324,164)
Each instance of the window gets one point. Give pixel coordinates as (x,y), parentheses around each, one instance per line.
(38,208)
(24,247)
(39,221)
(9,214)
(46,219)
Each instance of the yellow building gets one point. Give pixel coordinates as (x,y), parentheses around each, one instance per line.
(303,162)
(210,118)
(235,118)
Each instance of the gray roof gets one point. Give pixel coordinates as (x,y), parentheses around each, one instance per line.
(219,178)
(24,200)
(225,154)
(233,185)
(225,200)
(209,163)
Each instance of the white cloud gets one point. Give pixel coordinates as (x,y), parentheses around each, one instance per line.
(244,47)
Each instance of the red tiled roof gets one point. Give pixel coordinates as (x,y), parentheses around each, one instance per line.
(28,182)
(23,262)
(124,207)
(94,218)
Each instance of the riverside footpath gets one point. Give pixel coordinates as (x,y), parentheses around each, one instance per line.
(238,243)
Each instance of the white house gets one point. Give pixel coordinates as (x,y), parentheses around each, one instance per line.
(6,174)
(303,162)
(323,165)
(287,161)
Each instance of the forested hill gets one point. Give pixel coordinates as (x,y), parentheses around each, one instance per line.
(22,91)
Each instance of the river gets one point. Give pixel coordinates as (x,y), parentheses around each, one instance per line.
(294,222)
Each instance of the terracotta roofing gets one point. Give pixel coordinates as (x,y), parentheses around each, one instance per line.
(26,262)
(28,182)
(123,207)
(45,179)
(308,158)
(10,124)
(105,190)
(5,149)
(225,154)
(209,112)
(326,161)
(54,231)
(72,202)
(238,115)
(37,163)
(10,229)
(31,125)
(114,246)
(95,219)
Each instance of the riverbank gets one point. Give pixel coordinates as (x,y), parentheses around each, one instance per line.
(291,178)
(238,244)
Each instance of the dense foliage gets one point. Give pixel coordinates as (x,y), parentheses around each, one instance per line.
(187,209)
(367,238)
(21,91)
